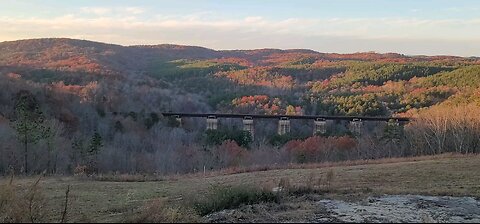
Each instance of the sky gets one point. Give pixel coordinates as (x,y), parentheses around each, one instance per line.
(412,27)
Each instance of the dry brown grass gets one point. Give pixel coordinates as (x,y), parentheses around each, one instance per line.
(237,170)
(18,205)
(114,201)
(116,177)
(161,211)
(128,177)
(312,184)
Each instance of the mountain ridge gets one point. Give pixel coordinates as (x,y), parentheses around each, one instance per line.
(180,46)
(74,55)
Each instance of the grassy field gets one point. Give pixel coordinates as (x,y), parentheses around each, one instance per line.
(113,201)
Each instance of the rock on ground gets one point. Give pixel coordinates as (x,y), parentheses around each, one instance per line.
(404,208)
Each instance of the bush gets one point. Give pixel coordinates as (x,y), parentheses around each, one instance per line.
(320,149)
(220,198)
(21,206)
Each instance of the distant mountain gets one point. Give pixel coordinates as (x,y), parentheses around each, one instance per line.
(94,57)
(59,54)
(260,81)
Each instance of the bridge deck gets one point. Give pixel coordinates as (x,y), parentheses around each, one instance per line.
(301,117)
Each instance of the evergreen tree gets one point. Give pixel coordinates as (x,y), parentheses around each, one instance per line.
(96,144)
(28,121)
(393,132)
(49,136)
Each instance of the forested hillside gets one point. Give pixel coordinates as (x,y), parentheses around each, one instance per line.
(71,105)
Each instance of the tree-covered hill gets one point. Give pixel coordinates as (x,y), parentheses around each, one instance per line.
(98,104)
(316,82)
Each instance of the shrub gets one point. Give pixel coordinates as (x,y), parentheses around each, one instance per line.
(21,206)
(330,178)
(230,154)
(320,149)
(284,184)
(220,198)
(80,170)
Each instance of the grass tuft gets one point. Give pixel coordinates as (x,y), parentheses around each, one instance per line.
(17,205)
(311,185)
(158,211)
(229,197)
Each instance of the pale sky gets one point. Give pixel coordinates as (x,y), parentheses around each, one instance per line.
(429,27)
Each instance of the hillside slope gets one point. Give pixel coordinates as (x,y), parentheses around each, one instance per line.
(86,89)
(444,175)
(82,55)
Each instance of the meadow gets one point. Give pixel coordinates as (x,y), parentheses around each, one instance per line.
(119,201)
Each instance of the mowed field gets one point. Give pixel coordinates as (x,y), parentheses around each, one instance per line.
(101,201)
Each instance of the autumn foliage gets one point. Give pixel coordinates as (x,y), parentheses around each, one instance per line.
(115,92)
(320,149)
(229,154)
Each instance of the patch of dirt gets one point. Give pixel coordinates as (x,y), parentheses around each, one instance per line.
(263,213)
(405,208)
(388,208)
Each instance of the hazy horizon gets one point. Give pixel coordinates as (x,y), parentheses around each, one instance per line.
(239,49)
(408,27)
